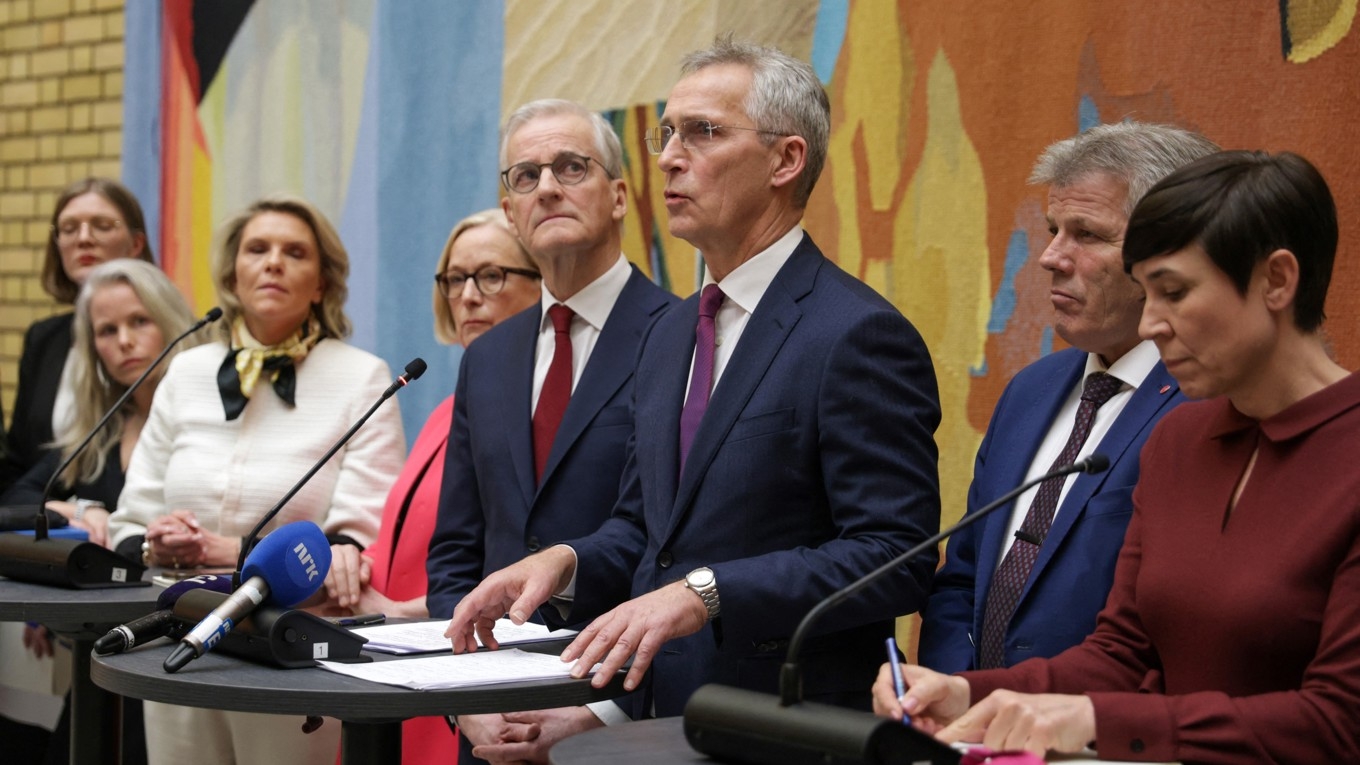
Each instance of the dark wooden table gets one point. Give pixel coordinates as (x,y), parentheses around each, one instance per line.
(82,616)
(370,713)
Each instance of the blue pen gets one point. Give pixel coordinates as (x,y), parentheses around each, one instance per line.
(899,684)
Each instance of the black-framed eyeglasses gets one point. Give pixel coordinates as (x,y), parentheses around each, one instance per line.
(488,280)
(694,134)
(68,229)
(569,169)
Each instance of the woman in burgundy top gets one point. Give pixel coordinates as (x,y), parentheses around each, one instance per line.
(1232,634)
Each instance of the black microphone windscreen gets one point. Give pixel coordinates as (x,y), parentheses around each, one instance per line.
(213,314)
(415,369)
(1096,463)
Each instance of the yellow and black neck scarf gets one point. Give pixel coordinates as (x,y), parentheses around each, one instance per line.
(248,360)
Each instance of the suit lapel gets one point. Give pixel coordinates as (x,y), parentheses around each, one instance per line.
(1043,400)
(1144,405)
(765,333)
(668,381)
(517,373)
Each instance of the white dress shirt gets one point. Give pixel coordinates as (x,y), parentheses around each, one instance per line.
(743,289)
(1131,369)
(592,306)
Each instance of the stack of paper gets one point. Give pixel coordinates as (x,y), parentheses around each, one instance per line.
(428,637)
(461,671)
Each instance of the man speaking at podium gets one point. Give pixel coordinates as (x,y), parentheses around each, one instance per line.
(784,421)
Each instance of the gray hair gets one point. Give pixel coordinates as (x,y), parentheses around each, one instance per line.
(1137,153)
(786,97)
(606,140)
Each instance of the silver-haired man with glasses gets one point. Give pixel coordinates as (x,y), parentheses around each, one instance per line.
(784,419)
(541,416)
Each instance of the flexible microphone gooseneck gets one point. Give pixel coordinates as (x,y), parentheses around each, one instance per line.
(68,562)
(412,373)
(743,726)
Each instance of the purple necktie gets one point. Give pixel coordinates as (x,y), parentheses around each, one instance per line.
(1015,568)
(701,379)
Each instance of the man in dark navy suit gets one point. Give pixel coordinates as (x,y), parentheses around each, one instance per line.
(542,411)
(784,428)
(1029,582)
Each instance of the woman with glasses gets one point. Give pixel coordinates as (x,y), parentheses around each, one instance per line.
(482,278)
(95,220)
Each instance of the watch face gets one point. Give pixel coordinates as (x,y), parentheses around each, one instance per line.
(701,577)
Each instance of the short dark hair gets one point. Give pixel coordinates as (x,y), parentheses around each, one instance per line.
(54,278)
(1240,206)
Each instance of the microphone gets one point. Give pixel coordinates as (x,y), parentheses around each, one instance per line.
(160,622)
(262,571)
(744,726)
(413,372)
(287,567)
(67,562)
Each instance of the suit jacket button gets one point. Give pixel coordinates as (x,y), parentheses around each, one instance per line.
(1136,746)
(664,560)
(534,544)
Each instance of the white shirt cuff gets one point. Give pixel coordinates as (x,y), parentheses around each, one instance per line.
(608,712)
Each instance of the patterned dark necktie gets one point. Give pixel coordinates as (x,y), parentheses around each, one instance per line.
(1014,570)
(701,378)
(556,391)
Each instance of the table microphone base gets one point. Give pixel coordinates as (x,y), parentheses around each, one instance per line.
(740,726)
(278,637)
(66,563)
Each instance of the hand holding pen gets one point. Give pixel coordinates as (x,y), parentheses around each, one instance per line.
(899,683)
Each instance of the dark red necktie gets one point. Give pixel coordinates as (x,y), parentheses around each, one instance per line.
(1014,570)
(701,378)
(556,392)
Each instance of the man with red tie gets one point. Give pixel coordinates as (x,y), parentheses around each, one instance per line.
(541,413)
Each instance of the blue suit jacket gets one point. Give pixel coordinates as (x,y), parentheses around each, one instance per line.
(491,512)
(1075,568)
(814,464)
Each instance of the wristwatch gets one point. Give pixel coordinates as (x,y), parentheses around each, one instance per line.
(703,583)
(83,505)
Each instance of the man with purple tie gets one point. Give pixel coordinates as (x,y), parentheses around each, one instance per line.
(1030,582)
(784,428)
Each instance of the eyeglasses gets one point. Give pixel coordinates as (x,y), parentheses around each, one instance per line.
(488,280)
(694,134)
(569,169)
(68,229)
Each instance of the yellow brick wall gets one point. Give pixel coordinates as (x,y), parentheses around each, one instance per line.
(61,87)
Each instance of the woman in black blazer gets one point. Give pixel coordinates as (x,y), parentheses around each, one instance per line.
(93,221)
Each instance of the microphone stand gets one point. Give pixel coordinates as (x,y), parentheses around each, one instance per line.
(67,562)
(744,726)
(413,372)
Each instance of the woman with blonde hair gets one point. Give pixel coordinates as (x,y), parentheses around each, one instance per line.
(237,422)
(126,312)
(483,277)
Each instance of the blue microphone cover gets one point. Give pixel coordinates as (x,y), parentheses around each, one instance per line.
(171,594)
(293,560)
